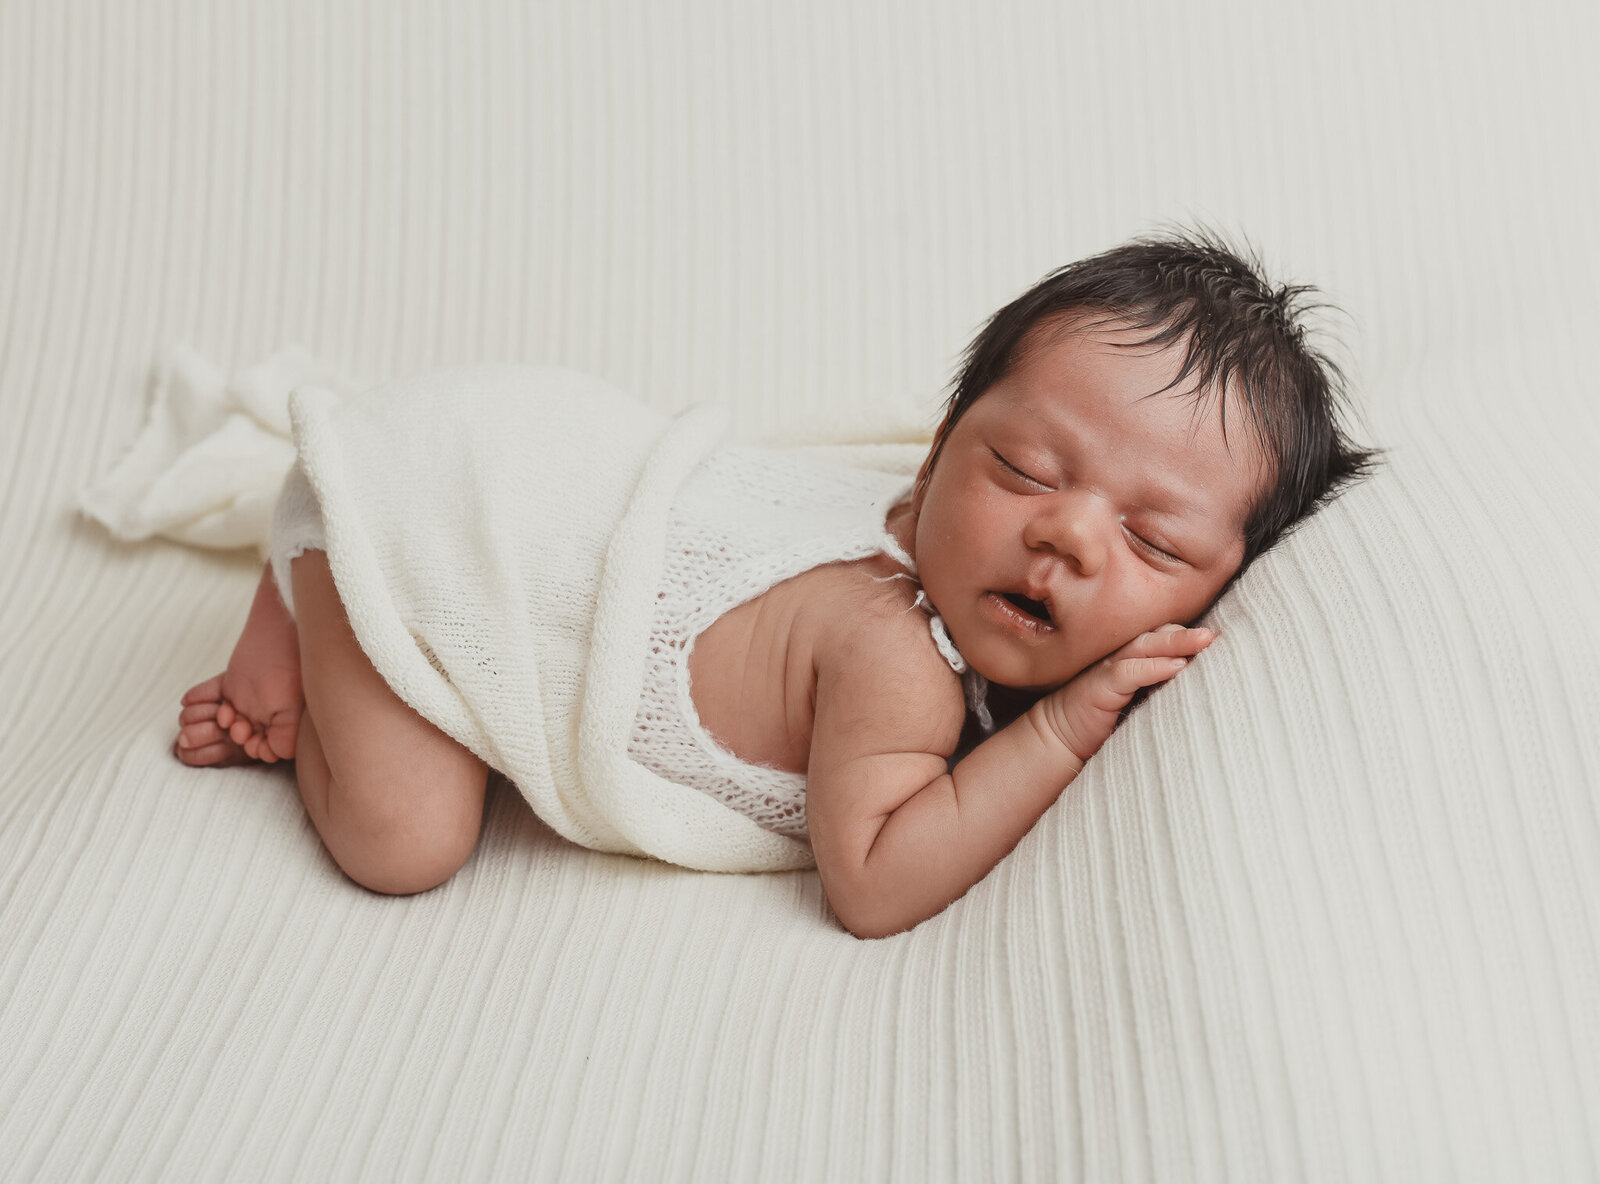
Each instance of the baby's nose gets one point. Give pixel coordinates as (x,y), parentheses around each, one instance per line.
(1075,524)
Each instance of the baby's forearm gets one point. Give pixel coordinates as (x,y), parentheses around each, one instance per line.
(947,836)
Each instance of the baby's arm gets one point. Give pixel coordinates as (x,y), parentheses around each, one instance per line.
(896,837)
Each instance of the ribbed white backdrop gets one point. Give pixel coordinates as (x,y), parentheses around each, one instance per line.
(1325,909)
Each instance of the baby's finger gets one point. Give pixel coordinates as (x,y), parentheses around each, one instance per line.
(1128,675)
(1168,642)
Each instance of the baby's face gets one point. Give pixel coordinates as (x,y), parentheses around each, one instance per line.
(1061,484)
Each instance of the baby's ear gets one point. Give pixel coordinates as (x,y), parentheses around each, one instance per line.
(926,470)
(920,487)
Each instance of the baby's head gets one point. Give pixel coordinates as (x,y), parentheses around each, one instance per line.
(1123,441)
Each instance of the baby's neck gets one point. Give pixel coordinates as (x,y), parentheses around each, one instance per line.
(1006,703)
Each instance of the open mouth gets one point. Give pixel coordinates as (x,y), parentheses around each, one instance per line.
(1037,609)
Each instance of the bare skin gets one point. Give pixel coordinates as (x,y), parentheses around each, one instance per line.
(397,803)
(251,711)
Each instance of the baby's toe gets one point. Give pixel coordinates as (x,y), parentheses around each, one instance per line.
(226,714)
(239,731)
(280,737)
(205,748)
(200,733)
(223,755)
(198,713)
(205,692)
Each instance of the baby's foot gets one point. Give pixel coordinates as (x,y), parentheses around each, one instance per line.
(216,729)
(201,740)
(251,711)
(241,716)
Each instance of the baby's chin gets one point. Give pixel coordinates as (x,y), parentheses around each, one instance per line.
(1022,687)
(1000,665)
(1004,670)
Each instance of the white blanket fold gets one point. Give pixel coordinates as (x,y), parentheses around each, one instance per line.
(212,453)
(495,533)
(496,536)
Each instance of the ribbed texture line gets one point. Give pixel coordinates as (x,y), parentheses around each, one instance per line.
(1325,909)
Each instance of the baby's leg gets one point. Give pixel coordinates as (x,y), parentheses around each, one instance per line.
(397,802)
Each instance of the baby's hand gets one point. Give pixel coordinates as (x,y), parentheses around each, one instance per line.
(1083,713)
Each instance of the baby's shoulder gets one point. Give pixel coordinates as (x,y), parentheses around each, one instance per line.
(873,597)
(869,635)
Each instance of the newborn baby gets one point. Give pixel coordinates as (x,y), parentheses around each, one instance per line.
(1123,440)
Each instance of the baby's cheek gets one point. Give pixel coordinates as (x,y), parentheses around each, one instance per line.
(1138,611)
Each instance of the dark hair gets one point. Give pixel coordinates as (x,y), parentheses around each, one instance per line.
(1244,335)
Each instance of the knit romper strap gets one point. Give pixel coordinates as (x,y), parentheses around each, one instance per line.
(973,684)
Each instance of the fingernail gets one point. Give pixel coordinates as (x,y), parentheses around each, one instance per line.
(1180,661)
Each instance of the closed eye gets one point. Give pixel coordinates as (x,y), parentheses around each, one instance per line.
(1145,543)
(1014,468)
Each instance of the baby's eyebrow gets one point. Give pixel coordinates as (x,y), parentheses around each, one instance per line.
(1167,500)
(1175,502)
(1191,525)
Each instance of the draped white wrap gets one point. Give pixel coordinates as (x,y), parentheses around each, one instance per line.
(495,533)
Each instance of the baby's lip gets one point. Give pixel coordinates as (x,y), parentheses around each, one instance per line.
(1041,595)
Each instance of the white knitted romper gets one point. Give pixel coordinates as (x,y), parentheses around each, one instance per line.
(745,519)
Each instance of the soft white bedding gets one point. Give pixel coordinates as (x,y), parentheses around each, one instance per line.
(1325,909)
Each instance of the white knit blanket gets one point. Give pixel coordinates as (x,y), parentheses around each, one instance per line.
(211,455)
(1326,909)
(495,533)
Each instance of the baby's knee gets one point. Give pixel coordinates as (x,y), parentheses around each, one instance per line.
(398,849)
(403,866)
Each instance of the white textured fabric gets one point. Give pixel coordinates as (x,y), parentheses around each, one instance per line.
(295,529)
(747,518)
(1323,909)
(207,466)
(495,533)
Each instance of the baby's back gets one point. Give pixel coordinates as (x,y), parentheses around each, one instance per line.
(753,672)
(769,555)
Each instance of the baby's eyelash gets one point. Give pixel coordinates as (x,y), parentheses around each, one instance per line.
(1167,555)
(1014,468)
